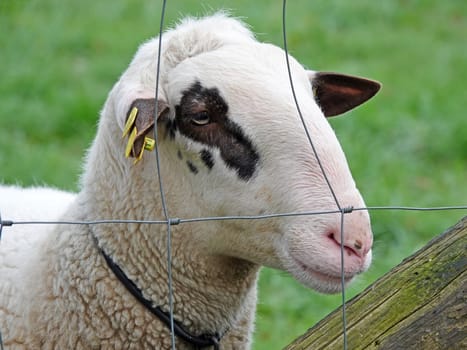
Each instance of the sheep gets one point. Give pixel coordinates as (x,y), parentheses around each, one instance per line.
(230,142)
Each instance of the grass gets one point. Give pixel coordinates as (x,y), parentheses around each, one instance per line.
(408,146)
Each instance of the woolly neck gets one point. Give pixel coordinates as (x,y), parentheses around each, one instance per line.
(209,291)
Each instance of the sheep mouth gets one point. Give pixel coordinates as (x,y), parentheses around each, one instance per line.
(322,281)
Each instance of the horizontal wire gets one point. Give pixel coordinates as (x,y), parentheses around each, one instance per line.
(176,221)
(82,222)
(455,207)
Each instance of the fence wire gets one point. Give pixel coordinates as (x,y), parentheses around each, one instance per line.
(171,221)
(323,172)
(159,178)
(177,221)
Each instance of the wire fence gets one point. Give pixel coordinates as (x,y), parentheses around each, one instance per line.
(173,221)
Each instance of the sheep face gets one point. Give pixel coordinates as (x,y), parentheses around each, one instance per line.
(232,129)
(232,143)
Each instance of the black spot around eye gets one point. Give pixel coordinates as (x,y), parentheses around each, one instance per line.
(236,149)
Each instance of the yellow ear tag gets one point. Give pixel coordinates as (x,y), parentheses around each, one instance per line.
(130,121)
(131,141)
(149,144)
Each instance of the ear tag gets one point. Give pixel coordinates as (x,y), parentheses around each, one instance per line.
(130,121)
(131,141)
(149,144)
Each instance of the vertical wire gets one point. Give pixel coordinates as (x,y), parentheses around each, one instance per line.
(161,189)
(344,313)
(310,141)
(284,34)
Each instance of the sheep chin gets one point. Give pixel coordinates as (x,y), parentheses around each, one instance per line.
(319,281)
(310,275)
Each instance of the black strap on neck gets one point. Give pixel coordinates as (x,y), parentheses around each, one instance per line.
(198,342)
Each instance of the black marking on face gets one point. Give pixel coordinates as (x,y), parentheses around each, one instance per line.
(171,127)
(207,158)
(179,155)
(192,167)
(236,149)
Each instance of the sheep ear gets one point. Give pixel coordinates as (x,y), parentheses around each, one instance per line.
(140,125)
(338,93)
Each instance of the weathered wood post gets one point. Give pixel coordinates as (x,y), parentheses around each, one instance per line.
(420,304)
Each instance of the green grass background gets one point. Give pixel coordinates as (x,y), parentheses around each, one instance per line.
(408,146)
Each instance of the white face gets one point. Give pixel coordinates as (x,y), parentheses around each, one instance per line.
(234,130)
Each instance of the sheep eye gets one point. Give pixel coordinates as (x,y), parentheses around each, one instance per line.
(200,118)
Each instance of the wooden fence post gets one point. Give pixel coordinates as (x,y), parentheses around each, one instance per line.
(420,304)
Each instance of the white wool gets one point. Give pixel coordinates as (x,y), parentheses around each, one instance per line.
(56,290)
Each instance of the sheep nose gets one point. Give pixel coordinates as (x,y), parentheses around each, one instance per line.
(354,247)
(357,236)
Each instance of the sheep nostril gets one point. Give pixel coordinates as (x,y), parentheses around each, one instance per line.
(358,244)
(332,237)
(351,249)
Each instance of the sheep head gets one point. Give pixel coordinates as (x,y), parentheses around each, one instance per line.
(232,141)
